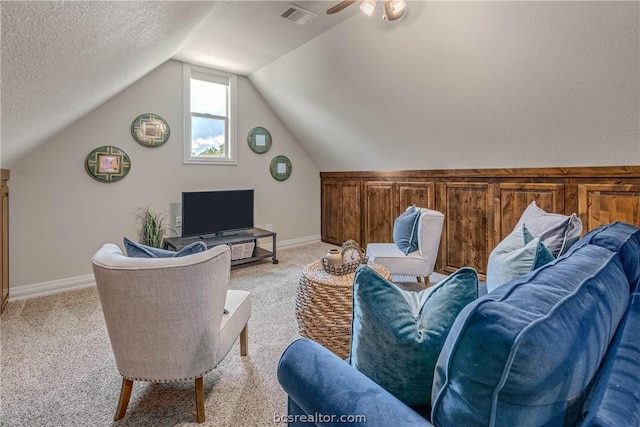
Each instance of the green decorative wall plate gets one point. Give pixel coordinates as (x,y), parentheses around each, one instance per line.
(150,130)
(259,140)
(107,164)
(280,168)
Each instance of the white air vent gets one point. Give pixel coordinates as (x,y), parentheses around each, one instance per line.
(297,15)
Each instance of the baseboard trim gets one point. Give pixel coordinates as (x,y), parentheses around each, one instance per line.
(79,282)
(51,287)
(291,243)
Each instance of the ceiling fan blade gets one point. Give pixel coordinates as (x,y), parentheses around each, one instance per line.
(337,8)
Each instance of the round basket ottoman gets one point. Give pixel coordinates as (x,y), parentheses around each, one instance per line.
(324,306)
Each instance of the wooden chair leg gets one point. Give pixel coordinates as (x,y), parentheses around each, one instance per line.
(200,399)
(419,279)
(244,341)
(123,402)
(427,282)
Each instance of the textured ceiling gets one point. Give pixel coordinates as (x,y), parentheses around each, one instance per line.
(244,36)
(466,85)
(461,84)
(60,60)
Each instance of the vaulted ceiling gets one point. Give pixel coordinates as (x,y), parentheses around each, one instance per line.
(451,84)
(60,60)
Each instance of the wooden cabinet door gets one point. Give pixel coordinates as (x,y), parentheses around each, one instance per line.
(467,237)
(341,210)
(351,197)
(421,194)
(600,204)
(379,210)
(331,208)
(515,197)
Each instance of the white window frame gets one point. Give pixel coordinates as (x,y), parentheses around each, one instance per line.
(215,76)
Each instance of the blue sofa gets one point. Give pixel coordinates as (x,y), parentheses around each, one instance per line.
(559,346)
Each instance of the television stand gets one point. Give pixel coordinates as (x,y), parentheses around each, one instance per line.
(235,237)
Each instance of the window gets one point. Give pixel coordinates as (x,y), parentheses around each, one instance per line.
(209,116)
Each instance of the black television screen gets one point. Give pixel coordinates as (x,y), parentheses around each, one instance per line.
(212,212)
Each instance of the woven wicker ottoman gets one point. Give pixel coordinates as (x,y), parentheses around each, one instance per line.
(324,306)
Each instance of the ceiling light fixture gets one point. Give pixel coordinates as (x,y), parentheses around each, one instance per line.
(368,6)
(393,9)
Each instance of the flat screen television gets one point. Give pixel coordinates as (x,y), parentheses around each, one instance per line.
(208,213)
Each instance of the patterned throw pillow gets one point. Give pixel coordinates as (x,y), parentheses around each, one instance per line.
(397,335)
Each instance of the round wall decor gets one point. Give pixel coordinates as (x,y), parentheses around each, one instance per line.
(281,167)
(259,140)
(150,130)
(107,164)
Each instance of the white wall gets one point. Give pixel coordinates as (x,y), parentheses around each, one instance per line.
(467,85)
(59,215)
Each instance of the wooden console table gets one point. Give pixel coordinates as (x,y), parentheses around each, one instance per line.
(231,238)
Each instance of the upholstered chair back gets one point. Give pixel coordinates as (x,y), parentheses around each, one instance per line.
(163,315)
(429,231)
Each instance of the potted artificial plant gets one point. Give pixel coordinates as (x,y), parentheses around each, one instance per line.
(152,227)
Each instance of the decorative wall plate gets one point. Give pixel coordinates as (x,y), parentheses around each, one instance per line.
(280,168)
(150,130)
(107,164)
(259,140)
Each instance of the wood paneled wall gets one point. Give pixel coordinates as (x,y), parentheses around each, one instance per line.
(481,206)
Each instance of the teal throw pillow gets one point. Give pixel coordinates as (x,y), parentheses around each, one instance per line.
(138,250)
(518,254)
(405,230)
(396,335)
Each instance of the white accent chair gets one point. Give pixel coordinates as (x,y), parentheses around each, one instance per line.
(165,316)
(420,263)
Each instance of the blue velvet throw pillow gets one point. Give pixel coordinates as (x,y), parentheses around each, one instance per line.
(405,230)
(138,250)
(518,254)
(396,335)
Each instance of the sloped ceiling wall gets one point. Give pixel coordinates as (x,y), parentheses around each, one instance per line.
(63,59)
(467,85)
(450,85)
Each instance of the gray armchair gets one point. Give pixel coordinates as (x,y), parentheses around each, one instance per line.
(166,316)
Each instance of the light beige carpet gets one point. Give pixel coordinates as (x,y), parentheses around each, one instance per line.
(57,368)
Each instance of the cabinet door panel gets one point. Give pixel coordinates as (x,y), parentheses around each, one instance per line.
(467,237)
(421,194)
(351,211)
(331,211)
(514,199)
(380,208)
(600,204)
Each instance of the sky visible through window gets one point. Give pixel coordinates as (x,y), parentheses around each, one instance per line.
(208,133)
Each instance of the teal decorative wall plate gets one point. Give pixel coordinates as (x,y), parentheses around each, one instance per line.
(107,164)
(281,167)
(150,130)
(259,140)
